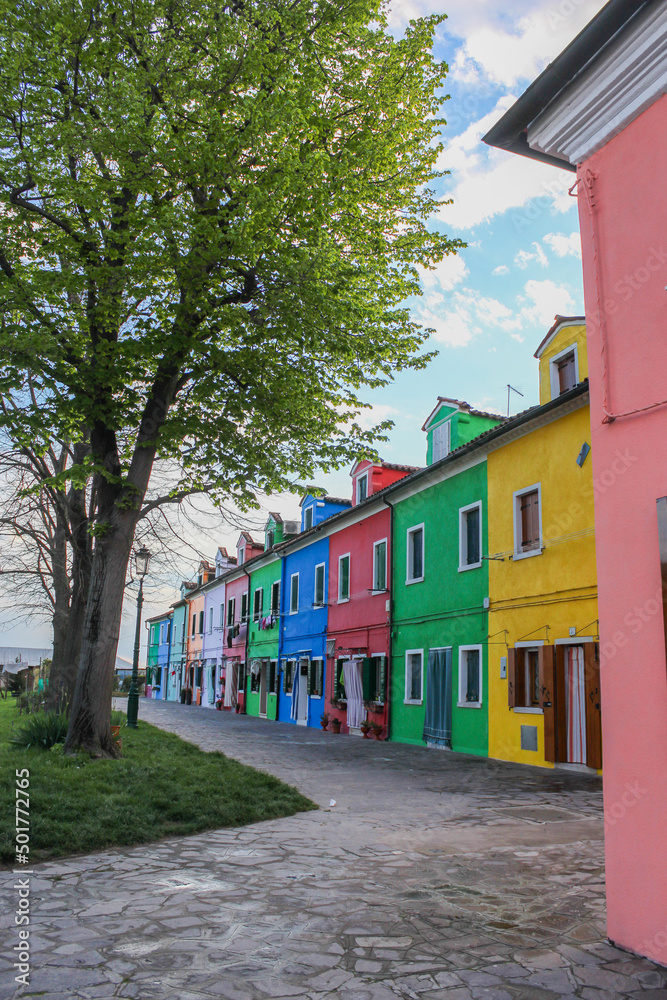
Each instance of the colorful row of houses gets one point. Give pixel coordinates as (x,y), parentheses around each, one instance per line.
(454,605)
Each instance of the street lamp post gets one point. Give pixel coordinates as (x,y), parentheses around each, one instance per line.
(142,558)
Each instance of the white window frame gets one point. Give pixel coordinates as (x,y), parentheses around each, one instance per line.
(311,508)
(318,659)
(376,589)
(210,620)
(256,615)
(407,700)
(410,532)
(344,600)
(553,368)
(516,496)
(463,537)
(462,703)
(529,709)
(447,425)
(276,610)
(357,480)
(293,610)
(241,554)
(323,602)
(222,615)
(231,603)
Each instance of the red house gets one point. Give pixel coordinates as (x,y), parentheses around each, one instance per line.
(237,614)
(359,600)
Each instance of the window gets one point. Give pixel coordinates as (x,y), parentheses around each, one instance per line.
(288,675)
(222,615)
(470,536)
(210,620)
(258,604)
(380,565)
(441,440)
(344,578)
(275,598)
(273,677)
(374,678)
(231,611)
(316,678)
(414,680)
(308,518)
(167,629)
(201,622)
(270,536)
(244,607)
(470,677)
(362,488)
(415,554)
(564,369)
(527,678)
(194,623)
(527,522)
(294,594)
(241,554)
(319,586)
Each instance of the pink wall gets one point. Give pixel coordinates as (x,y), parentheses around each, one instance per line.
(627,336)
(361,622)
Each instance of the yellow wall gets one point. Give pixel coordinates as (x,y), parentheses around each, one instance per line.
(565,338)
(558,587)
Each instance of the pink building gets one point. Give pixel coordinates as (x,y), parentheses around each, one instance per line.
(600,109)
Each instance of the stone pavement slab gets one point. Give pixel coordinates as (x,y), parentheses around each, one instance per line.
(433,875)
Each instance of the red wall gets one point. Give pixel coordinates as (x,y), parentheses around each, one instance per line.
(625,274)
(361,621)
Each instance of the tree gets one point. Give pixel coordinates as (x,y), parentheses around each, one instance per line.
(212,216)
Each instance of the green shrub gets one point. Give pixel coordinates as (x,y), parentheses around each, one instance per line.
(43,729)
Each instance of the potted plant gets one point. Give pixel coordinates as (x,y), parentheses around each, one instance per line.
(324,720)
(365,728)
(335,725)
(338,703)
(218,704)
(376,730)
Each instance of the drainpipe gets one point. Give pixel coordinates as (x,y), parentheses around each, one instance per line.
(390,581)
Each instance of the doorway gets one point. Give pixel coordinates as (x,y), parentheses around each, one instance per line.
(438,715)
(578,729)
(263,689)
(302,705)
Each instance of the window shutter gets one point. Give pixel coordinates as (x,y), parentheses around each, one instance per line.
(311,676)
(338,666)
(593,716)
(472,541)
(511,677)
(319,677)
(383,679)
(366,679)
(284,677)
(547,685)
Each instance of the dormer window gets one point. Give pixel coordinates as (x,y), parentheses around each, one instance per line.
(241,554)
(362,488)
(441,441)
(564,371)
(270,536)
(308,518)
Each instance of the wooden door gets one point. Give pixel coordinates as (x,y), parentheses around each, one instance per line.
(547,667)
(593,705)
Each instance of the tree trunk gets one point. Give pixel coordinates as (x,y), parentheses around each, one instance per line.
(56,692)
(89,727)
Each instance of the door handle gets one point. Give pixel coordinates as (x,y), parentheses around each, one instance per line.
(546,704)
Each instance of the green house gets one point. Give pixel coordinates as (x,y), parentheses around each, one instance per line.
(264,623)
(440,588)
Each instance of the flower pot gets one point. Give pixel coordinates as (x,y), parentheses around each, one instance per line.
(324,725)
(335,727)
(376,734)
(365,730)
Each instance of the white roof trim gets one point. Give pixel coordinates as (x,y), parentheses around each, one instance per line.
(622,83)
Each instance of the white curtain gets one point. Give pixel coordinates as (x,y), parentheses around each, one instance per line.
(575,700)
(353,692)
(296,673)
(231,681)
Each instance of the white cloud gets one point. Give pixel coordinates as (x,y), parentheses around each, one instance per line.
(455,328)
(524,257)
(449,272)
(543,300)
(564,246)
(501,269)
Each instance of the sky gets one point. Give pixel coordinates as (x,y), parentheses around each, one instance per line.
(490,305)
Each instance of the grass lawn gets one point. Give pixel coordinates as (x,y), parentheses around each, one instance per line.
(161,787)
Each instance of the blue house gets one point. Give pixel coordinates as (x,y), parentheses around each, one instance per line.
(304,615)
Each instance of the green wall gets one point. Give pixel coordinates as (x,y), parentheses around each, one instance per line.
(445,609)
(262,643)
(464,428)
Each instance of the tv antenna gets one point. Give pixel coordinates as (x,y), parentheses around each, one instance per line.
(510,389)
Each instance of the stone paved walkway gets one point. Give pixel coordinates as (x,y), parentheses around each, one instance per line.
(432,876)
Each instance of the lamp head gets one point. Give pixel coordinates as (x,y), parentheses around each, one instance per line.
(142,558)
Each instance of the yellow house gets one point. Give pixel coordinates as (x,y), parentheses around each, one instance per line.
(544,698)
